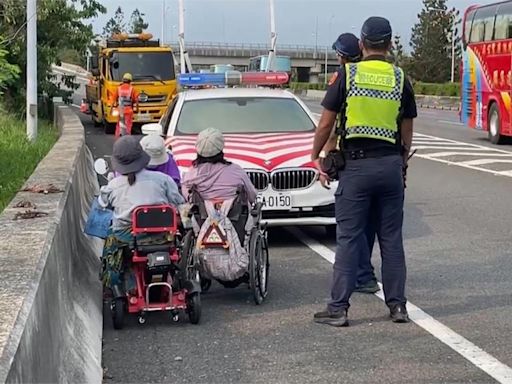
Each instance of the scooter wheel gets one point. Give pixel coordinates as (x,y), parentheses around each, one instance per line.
(118,309)
(194,308)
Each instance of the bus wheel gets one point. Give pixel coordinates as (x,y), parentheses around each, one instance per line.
(494,125)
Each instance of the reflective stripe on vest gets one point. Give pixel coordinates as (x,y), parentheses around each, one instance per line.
(125,96)
(374,93)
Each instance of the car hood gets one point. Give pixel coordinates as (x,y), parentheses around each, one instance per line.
(266,151)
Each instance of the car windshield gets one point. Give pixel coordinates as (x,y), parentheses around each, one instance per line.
(152,66)
(244,115)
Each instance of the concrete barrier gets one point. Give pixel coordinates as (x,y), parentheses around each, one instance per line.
(423,101)
(50,294)
(438,102)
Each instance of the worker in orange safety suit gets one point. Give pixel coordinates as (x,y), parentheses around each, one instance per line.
(128,96)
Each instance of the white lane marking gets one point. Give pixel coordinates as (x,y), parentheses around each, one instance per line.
(444,154)
(423,136)
(477,356)
(461,147)
(486,161)
(458,123)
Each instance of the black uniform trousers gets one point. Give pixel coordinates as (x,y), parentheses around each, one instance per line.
(375,182)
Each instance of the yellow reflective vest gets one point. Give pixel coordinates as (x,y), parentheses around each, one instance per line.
(374,94)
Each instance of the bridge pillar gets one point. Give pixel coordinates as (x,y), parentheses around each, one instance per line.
(314,72)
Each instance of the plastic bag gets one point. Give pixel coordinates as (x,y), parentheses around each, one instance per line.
(99,220)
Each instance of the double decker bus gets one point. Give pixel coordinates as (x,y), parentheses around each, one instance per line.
(486,84)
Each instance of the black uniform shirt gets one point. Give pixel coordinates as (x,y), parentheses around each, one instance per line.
(337,94)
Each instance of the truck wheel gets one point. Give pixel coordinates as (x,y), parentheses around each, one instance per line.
(110,129)
(494,125)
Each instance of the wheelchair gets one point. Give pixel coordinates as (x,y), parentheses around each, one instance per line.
(164,279)
(253,239)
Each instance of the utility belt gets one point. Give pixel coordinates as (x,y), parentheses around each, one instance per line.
(336,160)
(369,153)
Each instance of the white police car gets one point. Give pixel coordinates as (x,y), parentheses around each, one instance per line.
(269,132)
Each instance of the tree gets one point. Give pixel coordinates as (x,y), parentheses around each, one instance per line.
(116,24)
(9,73)
(432,42)
(397,52)
(60,25)
(137,23)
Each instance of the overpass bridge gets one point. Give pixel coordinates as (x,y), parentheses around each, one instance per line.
(308,62)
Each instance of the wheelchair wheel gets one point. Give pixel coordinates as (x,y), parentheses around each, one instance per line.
(205,284)
(258,266)
(194,308)
(188,264)
(118,309)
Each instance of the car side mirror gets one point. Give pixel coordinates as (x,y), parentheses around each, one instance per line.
(152,129)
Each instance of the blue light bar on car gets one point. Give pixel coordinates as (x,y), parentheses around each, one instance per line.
(232,78)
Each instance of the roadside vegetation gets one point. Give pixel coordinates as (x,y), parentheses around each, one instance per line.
(62,34)
(19,155)
(420,88)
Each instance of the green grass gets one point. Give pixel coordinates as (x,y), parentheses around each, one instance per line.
(18,156)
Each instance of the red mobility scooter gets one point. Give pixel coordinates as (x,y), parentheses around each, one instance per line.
(165,274)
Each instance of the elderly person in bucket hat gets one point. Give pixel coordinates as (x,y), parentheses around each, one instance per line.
(161,160)
(135,187)
(211,174)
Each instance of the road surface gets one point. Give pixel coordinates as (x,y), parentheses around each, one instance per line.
(459,255)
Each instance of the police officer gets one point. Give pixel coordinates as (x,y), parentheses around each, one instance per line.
(379,107)
(347,51)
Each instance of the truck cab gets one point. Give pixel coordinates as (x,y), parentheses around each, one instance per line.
(153,71)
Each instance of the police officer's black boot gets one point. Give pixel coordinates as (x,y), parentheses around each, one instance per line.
(399,314)
(335,319)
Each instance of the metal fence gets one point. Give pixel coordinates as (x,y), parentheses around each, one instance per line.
(254,49)
(259,46)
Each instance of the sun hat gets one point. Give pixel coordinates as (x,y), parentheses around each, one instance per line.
(154,146)
(210,142)
(128,156)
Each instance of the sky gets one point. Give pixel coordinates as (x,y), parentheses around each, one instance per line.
(248,21)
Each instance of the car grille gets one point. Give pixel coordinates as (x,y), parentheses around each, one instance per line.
(259,179)
(293,179)
(153,100)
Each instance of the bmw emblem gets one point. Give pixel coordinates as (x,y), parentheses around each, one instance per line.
(143,97)
(268,162)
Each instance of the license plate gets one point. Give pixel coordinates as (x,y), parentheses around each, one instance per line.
(143,117)
(275,201)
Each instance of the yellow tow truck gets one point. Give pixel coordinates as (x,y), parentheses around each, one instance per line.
(154,77)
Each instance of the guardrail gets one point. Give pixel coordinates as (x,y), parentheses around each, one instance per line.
(252,49)
(51,307)
(262,46)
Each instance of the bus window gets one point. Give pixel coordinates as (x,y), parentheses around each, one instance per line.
(489,27)
(483,25)
(503,26)
(467,26)
(477,30)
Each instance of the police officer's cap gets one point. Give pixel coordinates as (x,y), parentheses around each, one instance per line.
(376,30)
(347,45)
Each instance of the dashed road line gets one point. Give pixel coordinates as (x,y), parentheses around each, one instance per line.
(471,352)
(470,156)
(440,150)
